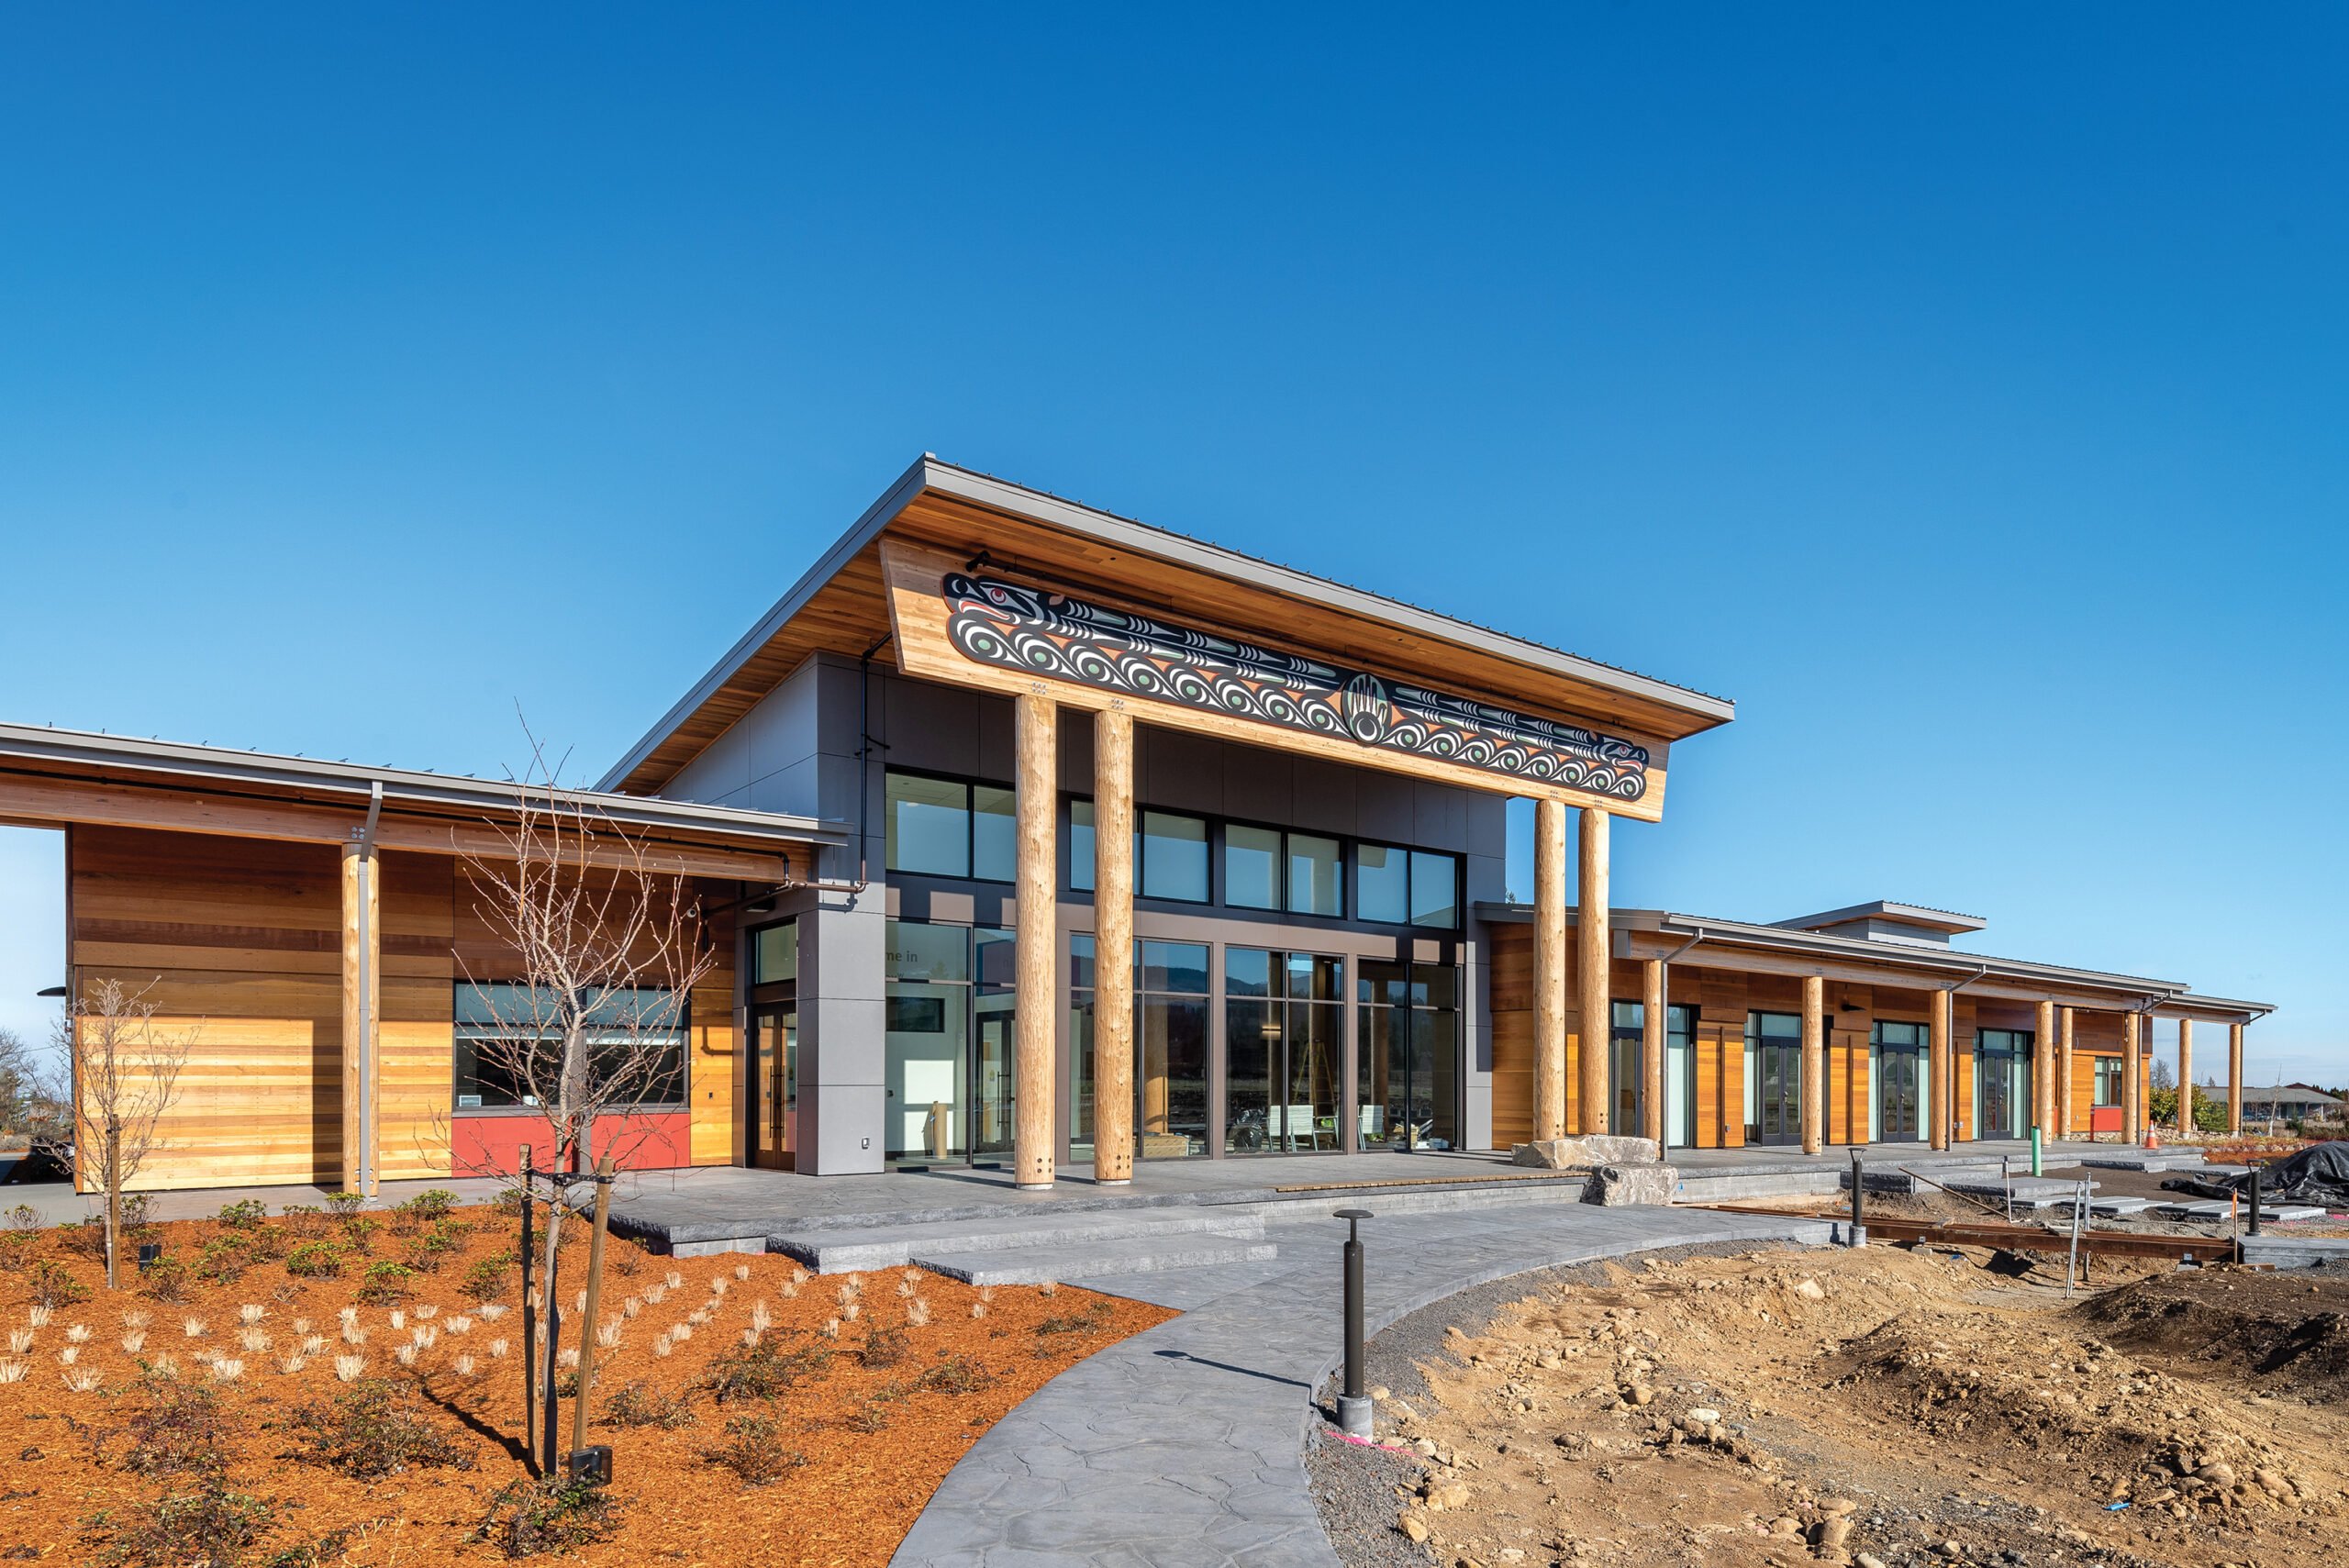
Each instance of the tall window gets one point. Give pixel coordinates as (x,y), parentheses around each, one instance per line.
(2001,1083)
(1773,1077)
(936,826)
(639,1031)
(947,1023)
(1407,1056)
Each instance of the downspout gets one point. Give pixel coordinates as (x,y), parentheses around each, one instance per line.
(864,755)
(365,872)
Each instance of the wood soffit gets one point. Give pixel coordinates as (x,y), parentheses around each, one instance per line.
(849,614)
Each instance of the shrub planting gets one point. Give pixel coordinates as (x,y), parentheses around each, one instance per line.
(764,1370)
(639,1404)
(527,1517)
(753,1450)
(372,1429)
(210,1524)
(54,1286)
(386,1282)
(314,1260)
(174,1430)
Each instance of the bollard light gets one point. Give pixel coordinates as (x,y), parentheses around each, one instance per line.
(1858,1236)
(1354,1405)
(2254,1200)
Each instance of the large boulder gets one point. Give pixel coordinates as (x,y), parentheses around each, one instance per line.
(1581,1153)
(1644,1182)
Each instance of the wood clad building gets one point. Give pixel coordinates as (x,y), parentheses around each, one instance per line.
(1033,836)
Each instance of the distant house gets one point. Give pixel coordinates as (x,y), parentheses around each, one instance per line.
(2287,1102)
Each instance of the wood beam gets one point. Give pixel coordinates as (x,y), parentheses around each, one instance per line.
(2133,1057)
(1942,1024)
(1720,953)
(362,970)
(2042,1073)
(1035,999)
(1595,952)
(2234,1077)
(1654,1013)
(2185,1079)
(2066,1110)
(1549,970)
(1113,946)
(1814,1061)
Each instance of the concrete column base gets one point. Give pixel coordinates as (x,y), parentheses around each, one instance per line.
(1354,1416)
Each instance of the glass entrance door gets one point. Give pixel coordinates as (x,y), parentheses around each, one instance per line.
(774,1087)
(1773,1078)
(1280,1052)
(1407,1069)
(1626,1080)
(1899,1077)
(2001,1083)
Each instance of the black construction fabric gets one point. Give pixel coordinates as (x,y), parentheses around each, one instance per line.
(2318,1174)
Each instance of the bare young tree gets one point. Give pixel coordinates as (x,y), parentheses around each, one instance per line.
(126,1075)
(599,951)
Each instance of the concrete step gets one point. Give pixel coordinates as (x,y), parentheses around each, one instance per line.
(2204,1210)
(2145,1159)
(893,1246)
(2297,1251)
(1095,1260)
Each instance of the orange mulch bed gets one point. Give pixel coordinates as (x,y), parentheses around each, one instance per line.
(866,1435)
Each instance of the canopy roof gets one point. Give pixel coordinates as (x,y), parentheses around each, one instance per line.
(840,606)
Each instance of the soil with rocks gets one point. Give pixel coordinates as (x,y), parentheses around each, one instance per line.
(1881,1407)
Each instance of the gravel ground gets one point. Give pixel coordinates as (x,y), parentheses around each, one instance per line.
(1355,1485)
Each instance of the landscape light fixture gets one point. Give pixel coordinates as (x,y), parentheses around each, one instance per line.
(1354,1405)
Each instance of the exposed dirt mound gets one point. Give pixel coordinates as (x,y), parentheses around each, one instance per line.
(2284,1329)
(1878,1408)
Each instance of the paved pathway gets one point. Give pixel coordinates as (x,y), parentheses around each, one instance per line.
(1183,1446)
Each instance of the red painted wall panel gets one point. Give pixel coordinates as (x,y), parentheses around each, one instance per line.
(488,1145)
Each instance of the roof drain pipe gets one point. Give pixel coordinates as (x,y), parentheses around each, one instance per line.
(365,872)
(1666,987)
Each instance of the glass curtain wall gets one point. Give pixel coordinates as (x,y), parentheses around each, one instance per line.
(1679,1072)
(1170,1049)
(1406,1075)
(1282,1046)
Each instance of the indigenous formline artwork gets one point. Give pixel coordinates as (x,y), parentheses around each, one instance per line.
(1015,626)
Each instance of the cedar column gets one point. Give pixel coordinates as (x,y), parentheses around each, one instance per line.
(1814,1061)
(362,964)
(1598,1001)
(2065,1108)
(2185,1078)
(1113,947)
(2234,1077)
(1942,1118)
(2133,1036)
(2043,1073)
(1034,1001)
(1549,970)
(1653,1010)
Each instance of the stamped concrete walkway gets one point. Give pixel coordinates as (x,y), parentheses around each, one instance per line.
(1183,1446)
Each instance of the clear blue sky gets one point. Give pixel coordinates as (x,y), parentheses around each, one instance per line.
(1961,390)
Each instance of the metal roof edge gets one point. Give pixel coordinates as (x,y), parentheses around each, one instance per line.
(227,764)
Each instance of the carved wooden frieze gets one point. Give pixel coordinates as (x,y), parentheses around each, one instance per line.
(1016,627)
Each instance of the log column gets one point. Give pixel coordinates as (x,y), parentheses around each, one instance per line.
(2132,1047)
(1814,1061)
(1113,946)
(1598,1001)
(1654,1011)
(2185,1078)
(1034,999)
(363,965)
(2043,1073)
(2234,1077)
(2065,1110)
(1549,970)
(1944,1006)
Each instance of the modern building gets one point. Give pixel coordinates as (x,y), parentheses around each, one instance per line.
(1031,835)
